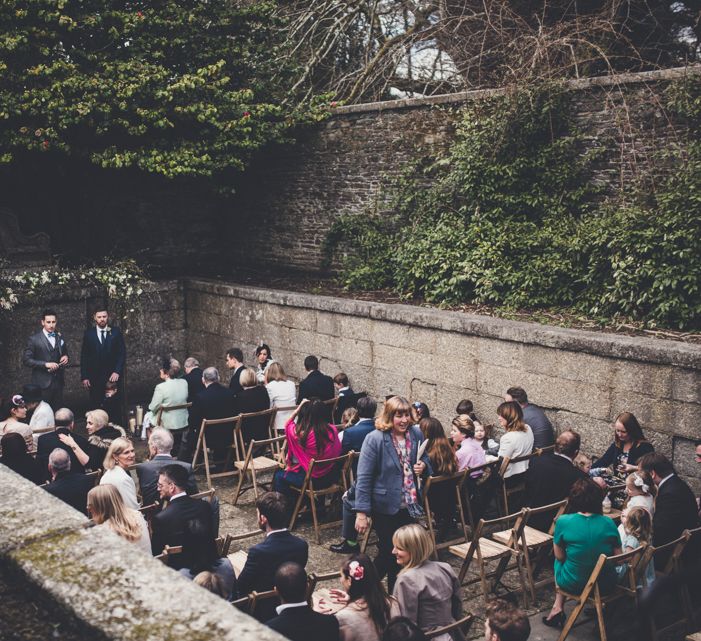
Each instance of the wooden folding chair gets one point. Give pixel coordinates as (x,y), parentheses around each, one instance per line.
(694,543)
(446,481)
(254,465)
(236,445)
(591,592)
(516,489)
(256,598)
(307,490)
(531,541)
(485,487)
(365,539)
(313,580)
(170,408)
(206,495)
(95,476)
(483,550)
(461,624)
(666,559)
(331,404)
(169,551)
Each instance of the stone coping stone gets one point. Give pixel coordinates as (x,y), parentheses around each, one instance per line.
(103,580)
(646,350)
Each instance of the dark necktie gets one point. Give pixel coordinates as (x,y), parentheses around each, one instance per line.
(102,336)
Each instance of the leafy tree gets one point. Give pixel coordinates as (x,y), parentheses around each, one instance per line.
(170,87)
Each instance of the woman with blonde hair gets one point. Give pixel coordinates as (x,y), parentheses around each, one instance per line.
(120,456)
(106,507)
(517,441)
(101,433)
(428,591)
(386,484)
(282,393)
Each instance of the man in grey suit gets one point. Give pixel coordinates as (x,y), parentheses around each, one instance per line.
(47,356)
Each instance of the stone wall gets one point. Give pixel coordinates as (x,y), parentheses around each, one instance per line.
(98,585)
(154,330)
(582,379)
(290,198)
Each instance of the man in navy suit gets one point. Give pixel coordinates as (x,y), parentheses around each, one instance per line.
(316,384)
(102,358)
(70,488)
(295,619)
(47,355)
(278,547)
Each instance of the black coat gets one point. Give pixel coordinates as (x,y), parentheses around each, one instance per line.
(316,385)
(214,402)
(263,562)
(26,466)
(50,441)
(148,473)
(38,352)
(99,360)
(675,511)
(187,522)
(303,624)
(249,401)
(72,489)
(194,383)
(234,382)
(549,479)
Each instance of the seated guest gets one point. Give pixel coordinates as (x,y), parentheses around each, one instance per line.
(107,509)
(70,488)
(583,462)
(628,446)
(550,477)
(295,619)
(349,418)
(443,463)
(346,396)
(403,629)
(533,416)
(465,406)
(16,457)
(212,582)
(172,391)
(312,437)
(675,505)
(187,522)
(160,444)
(193,376)
(101,433)
(281,392)
(316,384)
(42,416)
(213,402)
(234,363)
(517,441)
(119,457)
(505,622)
(428,591)
(640,491)
(63,437)
(12,416)
(636,530)
(368,608)
(253,398)
(279,546)
(580,538)
(420,410)
(469,453)
(264,358)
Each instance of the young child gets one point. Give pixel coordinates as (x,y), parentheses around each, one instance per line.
(350,417)
(482,434)
(640,491)
(583,462)
(636,524)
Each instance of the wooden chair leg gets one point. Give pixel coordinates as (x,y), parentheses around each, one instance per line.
(298,506)
(206,464)
(529,573)
(315,520)
(600,614)
(569,623)
(239,489)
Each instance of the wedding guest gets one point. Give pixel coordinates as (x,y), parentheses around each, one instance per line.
(628,446)
(282,393)
(12,416)
(106,507)
(517,441)
(120,456)
(264,358)
(16,457)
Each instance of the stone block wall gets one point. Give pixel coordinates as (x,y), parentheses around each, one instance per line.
(154,330)
(582,379)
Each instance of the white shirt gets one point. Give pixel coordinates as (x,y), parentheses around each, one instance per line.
(99,331)
(513,445)
(282,394)
(124,483)
(177,496)
(280,608)
(282,529)
(669,476)
(51,339)
(43,416)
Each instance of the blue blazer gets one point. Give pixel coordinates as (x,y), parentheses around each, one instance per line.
(380,477)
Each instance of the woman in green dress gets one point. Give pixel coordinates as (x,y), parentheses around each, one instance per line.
(581,536)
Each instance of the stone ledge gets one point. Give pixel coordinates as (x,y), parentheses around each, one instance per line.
(478,94)
(645,350)
(105,582)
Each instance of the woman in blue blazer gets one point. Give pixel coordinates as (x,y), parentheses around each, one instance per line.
(387,485)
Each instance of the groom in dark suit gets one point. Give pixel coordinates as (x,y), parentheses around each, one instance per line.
(102,358)
(47,355)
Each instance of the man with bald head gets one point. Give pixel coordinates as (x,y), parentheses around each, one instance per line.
(551,476)
(70,488)
(65,422)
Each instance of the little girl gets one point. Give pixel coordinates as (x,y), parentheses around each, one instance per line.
(640,491)
(482,434)
(637,529)
(583,462)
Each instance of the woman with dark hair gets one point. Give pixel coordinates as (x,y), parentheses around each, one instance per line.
(628,446)
(368,607)
(264,357)
(443,463)
(516,441)
(420,410)
(386,484)
(403,629)
(13,413)
(16,457)
(580,537)
(310,437)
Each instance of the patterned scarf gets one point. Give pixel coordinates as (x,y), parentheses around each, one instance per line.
(409,491)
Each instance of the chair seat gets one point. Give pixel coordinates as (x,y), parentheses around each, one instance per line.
(533,537)
(488,549)
(259,463)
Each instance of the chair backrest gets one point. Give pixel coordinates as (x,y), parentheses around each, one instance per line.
(633,559)
(518,519)
(341,464)
(545,450)
(229,420)
(257,597)
(670,552)
(517,459)
(95,476)
(170,408)
(461,624)
(276,445)
(558,509)
(207,495)
(256,425)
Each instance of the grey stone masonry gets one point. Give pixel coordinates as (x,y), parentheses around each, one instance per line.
(582,379)
(105,582)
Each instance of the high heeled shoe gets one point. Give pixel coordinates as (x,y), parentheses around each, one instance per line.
(558,621)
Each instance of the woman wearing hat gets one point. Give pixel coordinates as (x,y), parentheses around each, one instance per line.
(12,416)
